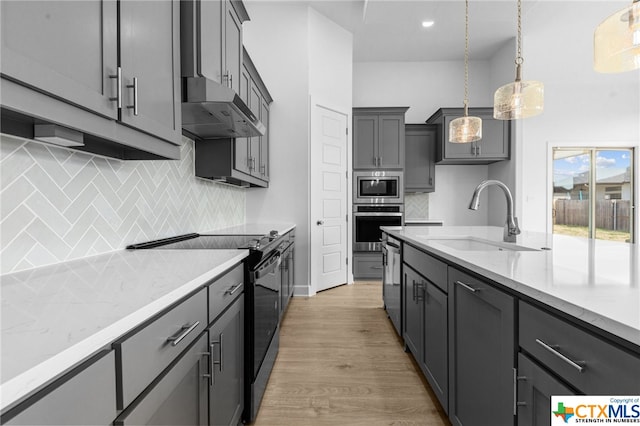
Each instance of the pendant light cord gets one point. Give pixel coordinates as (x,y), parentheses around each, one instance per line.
(519,58)
(466,58)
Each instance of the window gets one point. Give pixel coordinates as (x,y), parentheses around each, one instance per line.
(593,192)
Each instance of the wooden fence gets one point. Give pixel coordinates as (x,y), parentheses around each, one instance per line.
(610,214)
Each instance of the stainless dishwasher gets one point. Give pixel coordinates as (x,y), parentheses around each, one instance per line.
(392,279)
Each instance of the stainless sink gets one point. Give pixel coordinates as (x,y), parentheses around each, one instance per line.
(477,244)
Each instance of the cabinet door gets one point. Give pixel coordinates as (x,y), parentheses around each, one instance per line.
(367,265)
(149,53)
(255,104)
(481,351)
(242,160)
(420,149)
(365,136)
(64,48)
(85,396)
(456,150)
(495,138)
(211,40)
(226,345)
(233,47)
(391,141)
(535,388)
(178,396)
(435,342)
(264,142)
(413,312)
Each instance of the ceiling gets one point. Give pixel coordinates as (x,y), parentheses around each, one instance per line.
(391,30)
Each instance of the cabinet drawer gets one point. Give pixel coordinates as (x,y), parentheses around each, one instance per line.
(367,265)
(85,396)
(428,266)
(150,350)
(178,396)
(225,290)
(565,349)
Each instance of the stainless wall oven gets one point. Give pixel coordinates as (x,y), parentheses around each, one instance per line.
(367,220)
(378,187)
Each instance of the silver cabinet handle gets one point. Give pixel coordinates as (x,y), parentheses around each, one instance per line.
(421,288)
(263,169)
(377,267)
(517,403)
(134,86)
(212,363)
(219,363)
(182,333)
(210,374)
(227,78)
(233,289)
(551,349)
(468,287)
(253,163)
(118,97)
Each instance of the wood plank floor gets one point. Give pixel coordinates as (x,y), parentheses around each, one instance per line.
(341,363)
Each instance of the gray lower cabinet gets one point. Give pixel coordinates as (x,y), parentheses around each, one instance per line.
(535,388)
(420,161)
(84,396)
(367,265)
(481,352)
(178,396)
(425,329)
(494,145)
(226,349)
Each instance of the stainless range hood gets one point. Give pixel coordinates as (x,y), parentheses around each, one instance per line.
(211,110)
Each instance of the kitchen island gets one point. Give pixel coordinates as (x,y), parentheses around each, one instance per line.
(494,326)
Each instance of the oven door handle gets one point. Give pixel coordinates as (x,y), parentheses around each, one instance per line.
(267,266)
(374,214)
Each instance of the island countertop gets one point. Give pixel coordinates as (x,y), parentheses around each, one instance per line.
(55,316)
(595,281)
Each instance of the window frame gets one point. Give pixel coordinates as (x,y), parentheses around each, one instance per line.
(593,148)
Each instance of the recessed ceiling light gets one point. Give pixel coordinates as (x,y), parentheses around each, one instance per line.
(427,24)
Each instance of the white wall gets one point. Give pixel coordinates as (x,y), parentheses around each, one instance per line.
(284,39)
(425,87)
(502,71)
(581,106)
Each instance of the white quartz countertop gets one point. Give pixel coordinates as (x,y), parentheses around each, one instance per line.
(253,229)
(595,281)
(53,317)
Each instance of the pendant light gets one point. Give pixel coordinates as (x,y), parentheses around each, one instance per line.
(466,129)
(616,41)
(520,99)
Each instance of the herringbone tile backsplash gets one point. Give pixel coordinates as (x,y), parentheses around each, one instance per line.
(57,204)
(416,206)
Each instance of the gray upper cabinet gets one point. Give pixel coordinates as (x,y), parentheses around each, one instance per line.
(108,70)
(66,49)
(494,145)
(378,138)
(240,161)
(420,152)
(232,45)
(481,352)
(149,54)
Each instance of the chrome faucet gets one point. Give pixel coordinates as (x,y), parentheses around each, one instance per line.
(511,227)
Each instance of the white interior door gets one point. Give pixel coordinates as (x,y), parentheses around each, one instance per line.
(328,193)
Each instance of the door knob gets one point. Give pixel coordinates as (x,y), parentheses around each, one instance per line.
(320,222)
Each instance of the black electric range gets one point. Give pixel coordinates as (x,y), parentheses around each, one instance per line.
(262,299)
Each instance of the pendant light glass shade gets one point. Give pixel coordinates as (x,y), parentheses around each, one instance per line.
(466,129)
(616,41)
(520,99)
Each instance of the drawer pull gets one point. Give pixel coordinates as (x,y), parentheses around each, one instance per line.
(468,287)
(233,289)
(572,363)
(182,333)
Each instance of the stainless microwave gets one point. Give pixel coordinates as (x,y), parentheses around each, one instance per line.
(378,187)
